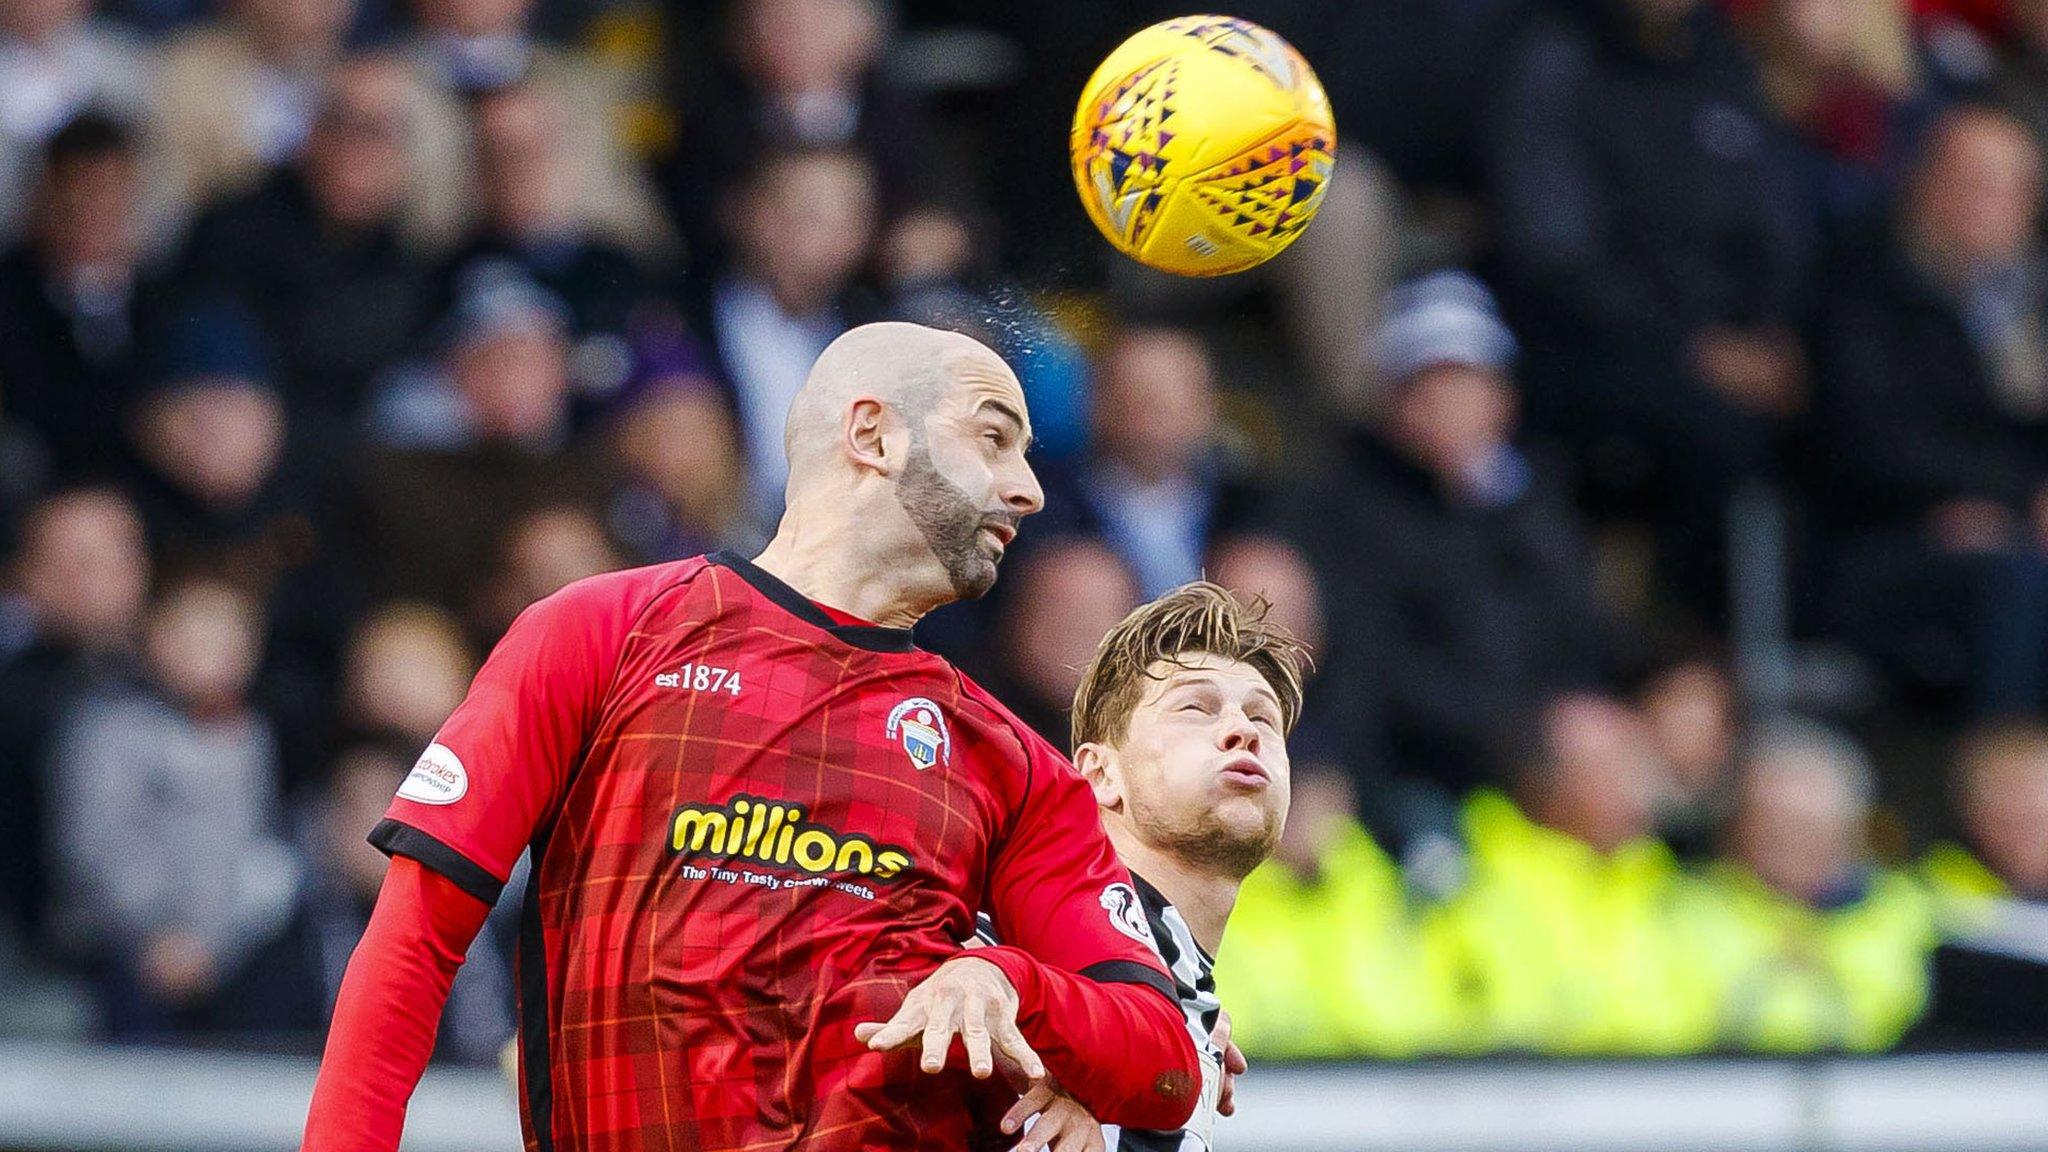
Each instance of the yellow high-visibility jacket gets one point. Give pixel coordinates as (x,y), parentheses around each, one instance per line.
(1792,978)
(1334,966)
(1565,950)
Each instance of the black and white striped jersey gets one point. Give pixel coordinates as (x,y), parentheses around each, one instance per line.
(1194,982)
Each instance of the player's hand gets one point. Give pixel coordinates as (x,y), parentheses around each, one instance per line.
(967,997)
(1063,1125)
(1234,1065)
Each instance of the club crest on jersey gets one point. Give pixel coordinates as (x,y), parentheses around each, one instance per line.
(919,724)
(1126,913)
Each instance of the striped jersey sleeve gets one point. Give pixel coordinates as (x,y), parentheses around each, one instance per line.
(1194,981)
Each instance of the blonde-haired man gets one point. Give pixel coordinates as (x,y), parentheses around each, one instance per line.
(1180,726)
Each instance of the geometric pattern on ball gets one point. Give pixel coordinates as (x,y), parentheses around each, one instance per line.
(1272,191)
(1123,160)
(1202,145)
(1245,40)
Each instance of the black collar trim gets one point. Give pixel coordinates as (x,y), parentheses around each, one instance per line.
(873,637)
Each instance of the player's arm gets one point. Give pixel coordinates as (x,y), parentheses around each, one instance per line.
(455,830)
(389,1008)
(1091,998)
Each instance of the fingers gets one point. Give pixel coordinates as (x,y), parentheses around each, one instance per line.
(938,1038)
(1234,1064)
(1064,1127)
(957,1001)
(1031,1103)
(900,1029)
(974,1033)
(1043,1135)
(1015,1047)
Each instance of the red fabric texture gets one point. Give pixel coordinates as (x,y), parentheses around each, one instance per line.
(389,1008)
(1071,1021)
(702,988)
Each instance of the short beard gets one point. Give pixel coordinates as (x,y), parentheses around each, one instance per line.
(949,521)
(1205,842)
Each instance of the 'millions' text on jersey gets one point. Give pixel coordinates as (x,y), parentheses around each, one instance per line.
(754,824)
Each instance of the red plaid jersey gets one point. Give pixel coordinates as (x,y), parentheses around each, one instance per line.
(753,826)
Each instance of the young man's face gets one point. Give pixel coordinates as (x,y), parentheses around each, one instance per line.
(1203,771)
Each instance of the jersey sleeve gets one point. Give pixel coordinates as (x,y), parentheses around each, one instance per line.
(388,1010)
(1057,890)
(497,768)
(1094,998)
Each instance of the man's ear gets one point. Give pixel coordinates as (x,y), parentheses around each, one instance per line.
(1100,766)
(868,423)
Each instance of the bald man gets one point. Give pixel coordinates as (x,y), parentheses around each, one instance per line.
(761,819)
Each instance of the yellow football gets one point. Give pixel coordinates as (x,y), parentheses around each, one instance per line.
(1203,145)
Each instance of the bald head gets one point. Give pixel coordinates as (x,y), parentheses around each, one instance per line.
(912,428)
(908,367)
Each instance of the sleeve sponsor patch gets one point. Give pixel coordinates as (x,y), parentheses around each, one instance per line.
(438,777)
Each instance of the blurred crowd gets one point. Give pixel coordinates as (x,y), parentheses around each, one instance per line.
(1650,439)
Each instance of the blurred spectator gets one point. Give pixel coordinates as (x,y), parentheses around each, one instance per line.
(1694,717)
(542,552)
(1802,810)
(1809,947)
(237,96)
(800,225)
(2000,785)
(681,490)
(1324,959)
(476,45)
(1274,570)
(167,836)
(1990,889)
(1564,926)
(68,621)
(209,432)
(502,376)
(1464,589)
(535,218)
(1595,774)
(791,74)
(2022,83)
(1654,250)
(1843,74)
(292,984)
(69,294)
(486,431)
(466,49)
(316,254)
(1157,480)
(1933,421)
(1064,595)
(56,63)
(406,668)
(220,496)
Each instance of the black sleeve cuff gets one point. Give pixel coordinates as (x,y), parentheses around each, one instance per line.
(396,839)
(1132,972)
